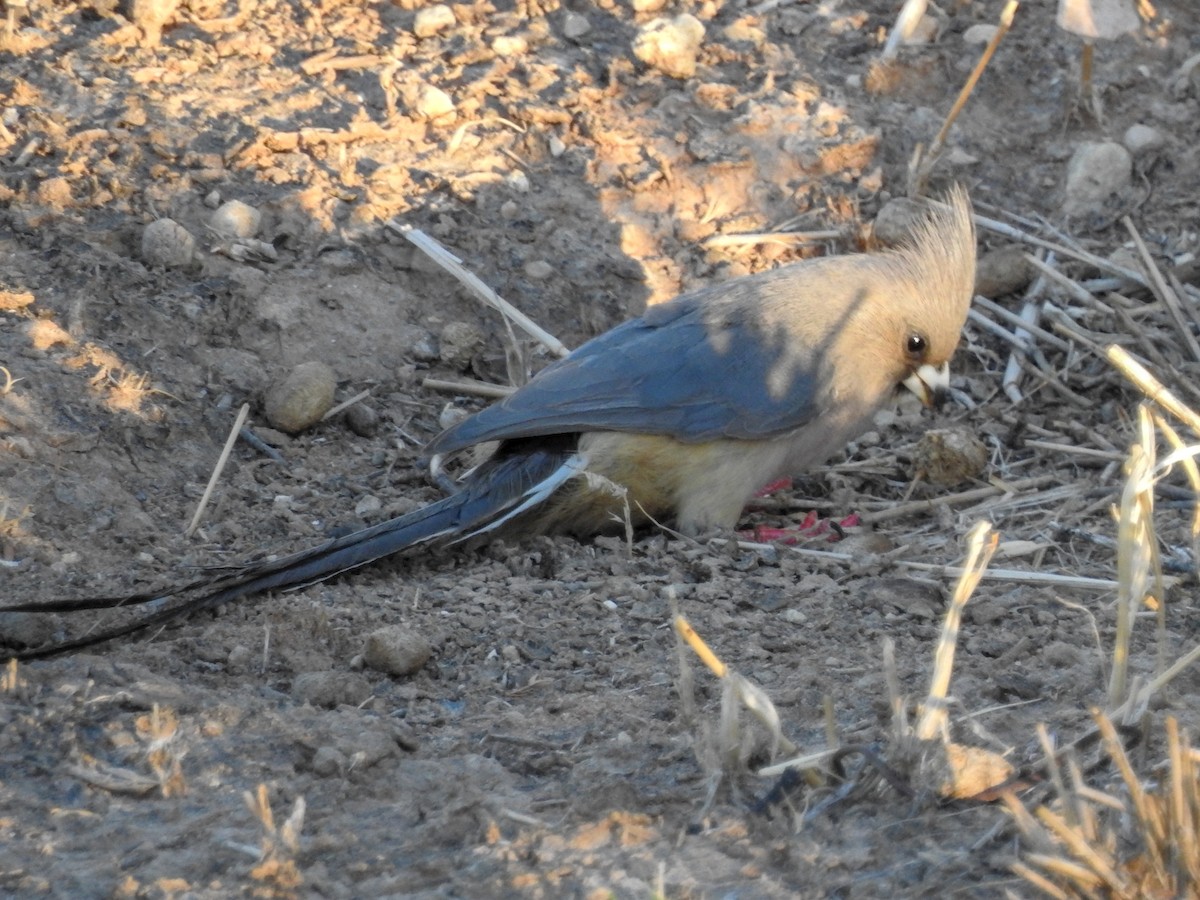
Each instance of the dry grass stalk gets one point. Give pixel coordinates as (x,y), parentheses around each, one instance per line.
(345,404)
(164,752)
(1150,386)
(437,252)
(218,469)
(981,543)
(737,692)
(924,164)
(1163,292)
(1135,551)
(1143,844)
(277,873)
(477,388)
(785,238)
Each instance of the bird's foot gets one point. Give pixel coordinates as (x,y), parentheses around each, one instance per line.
(767,490)
(811,527)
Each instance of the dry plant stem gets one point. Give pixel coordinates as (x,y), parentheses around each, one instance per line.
(891,678)
(452,264)
(220,466)
(476,388)
(1135,534)
(926,165)
(1116,751)
(1013,319)
(1151,386)
(893,511)
(982,543)
(1131,710)
(1041,882)
(1053,769)
(786,238)
(1010,576)
(1162,291)
(684,629)
(1091,452)
(1091,259)
(346,404)
(1183,787)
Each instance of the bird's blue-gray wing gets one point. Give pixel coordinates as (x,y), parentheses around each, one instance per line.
(681,370)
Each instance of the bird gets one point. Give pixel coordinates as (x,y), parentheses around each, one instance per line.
(677,415)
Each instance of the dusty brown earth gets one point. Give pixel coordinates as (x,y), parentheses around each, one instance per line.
(543,750)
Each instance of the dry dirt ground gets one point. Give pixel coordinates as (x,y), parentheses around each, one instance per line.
(543,749)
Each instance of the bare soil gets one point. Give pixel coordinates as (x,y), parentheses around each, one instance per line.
(543,750)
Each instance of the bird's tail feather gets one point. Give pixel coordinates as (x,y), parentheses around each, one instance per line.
(498,492)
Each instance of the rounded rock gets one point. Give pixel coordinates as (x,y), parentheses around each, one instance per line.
(1002,271)
(670,45)
(432,19)
(167,243)
(979,34)
(331,689)
(396,650)
(301,398)
(1141,139)
(236,219)
(949,456)
(433,103)
(362,419)
(575,26)
(1095,172)
(458,343)
(895,221)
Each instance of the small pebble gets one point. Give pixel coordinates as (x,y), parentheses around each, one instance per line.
(647,6)
(300,399)
(510,45)
(433,103)
(896,219)
(459,343)
(167,243)
(432,19)
(328,761)
(396,650)
(329,689)
(518,181)
(236,219)
(670,45)
(151,16)
(538,269)
(367,506)
(1095,172)
(575,26)
(1140,139)
(362,419)
(979,34)
(1002,271)
(239,658)
(451,415)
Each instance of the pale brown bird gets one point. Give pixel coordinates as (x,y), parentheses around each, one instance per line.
(686,410)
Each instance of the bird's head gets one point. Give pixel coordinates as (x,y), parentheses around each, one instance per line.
(922,301)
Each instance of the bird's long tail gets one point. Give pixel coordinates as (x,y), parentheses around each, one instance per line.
(500,492)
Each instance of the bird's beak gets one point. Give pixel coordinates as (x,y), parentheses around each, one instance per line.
(930,383)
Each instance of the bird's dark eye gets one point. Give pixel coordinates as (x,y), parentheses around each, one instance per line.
(916,346)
